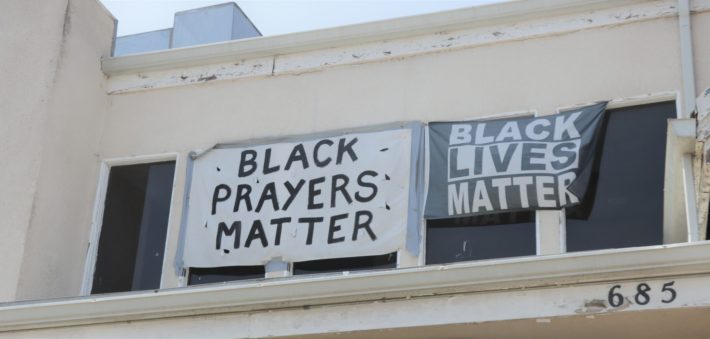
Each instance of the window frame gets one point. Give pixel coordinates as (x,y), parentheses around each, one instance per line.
(98,213)
(277,268)
(670,229)
(421,260)
(550,225)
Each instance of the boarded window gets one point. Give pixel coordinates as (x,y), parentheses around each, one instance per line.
(624,205)
(135,221)
(480,237)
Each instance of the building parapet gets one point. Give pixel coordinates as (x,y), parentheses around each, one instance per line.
(304,52)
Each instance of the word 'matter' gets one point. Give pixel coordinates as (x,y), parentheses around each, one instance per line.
(483,167)
(339,196)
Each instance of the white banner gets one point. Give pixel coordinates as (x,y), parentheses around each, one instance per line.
(334,197)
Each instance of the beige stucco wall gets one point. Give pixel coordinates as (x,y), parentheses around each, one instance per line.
(540,74)
(52,110)
(58,233)
(28,62)
(73,125)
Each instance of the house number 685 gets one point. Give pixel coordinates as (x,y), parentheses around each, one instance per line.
(642,296)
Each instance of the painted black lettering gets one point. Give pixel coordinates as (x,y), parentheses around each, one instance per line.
(316,159)
(363,224)
(369,185)
(267,160)
(279,223)
(256,232)
(216,198)
(269,193)
(336,187)
(292,192)
(311,223)
(346,148)
(334,227)
(243,191)
(313,192)
(247,163)
(235,229)
(297,154)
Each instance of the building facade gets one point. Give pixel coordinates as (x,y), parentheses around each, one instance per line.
(91,142)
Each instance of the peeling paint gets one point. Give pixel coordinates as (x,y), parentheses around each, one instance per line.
(207,78)
(592,306)
(186,76)
(396,49)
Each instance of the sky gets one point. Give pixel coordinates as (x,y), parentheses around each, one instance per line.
(273,17)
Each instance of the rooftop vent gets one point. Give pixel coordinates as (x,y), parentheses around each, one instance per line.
(198,26)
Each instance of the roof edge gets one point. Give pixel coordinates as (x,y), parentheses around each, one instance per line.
(358,33)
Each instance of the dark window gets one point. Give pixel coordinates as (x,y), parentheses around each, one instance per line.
(624,205)
(346,264)
(135,221)
(221,274)
(481,237)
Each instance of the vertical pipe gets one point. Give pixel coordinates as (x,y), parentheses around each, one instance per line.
(686,58)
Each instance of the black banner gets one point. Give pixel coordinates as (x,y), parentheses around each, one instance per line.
(507,165)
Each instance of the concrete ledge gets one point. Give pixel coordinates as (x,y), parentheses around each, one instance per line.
(489,276)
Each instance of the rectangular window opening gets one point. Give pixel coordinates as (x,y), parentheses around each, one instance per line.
(346,264)
(134,227)
(199,276)
(624,205)
(490,236)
